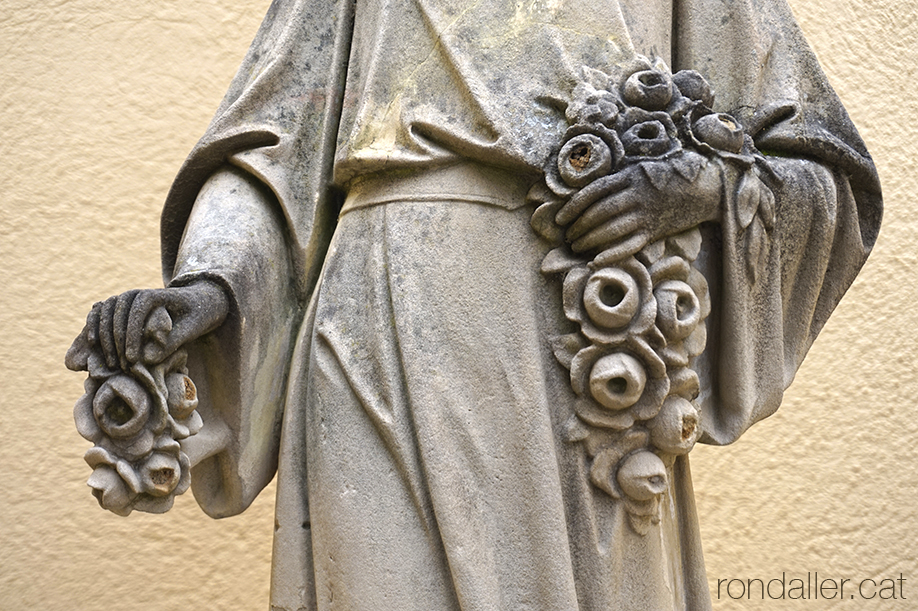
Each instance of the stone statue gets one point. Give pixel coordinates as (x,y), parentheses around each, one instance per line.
(472,278)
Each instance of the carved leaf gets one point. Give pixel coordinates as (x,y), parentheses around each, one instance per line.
(747,199)
(565,347)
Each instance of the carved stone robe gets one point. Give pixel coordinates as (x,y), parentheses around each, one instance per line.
(393,365)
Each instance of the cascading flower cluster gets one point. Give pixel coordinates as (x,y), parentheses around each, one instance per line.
(640,307)
(136,416)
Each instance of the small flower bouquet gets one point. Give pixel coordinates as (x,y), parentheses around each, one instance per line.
(640,305)
(135,415)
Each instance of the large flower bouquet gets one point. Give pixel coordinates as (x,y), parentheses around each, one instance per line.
(640,305)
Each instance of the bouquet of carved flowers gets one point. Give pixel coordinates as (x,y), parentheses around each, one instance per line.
(639,304)
(135,415)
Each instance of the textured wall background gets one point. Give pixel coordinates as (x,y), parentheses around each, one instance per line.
(100,103)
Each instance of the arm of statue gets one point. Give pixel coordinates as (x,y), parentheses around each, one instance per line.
(177,391)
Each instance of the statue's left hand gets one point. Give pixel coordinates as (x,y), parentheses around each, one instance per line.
(148,325)
(620,214)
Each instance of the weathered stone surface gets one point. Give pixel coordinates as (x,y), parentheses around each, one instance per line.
(466,428)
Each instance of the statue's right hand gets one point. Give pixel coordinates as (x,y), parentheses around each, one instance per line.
(148,325)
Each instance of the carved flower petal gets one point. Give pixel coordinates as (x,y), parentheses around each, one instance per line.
(561,259)
(99,456)
(130,449)
(130,476)
(553,179)
(696,342)
(191,426)
(655,366)
(572,293)
(669,268)
(603,469)
(110,490)
(595,415)
(675,356)
(699,284)
(684,383)
(651,253)
(543,221)
(654,394)
(686,244)
(575,430)
(565,347)
(86,424)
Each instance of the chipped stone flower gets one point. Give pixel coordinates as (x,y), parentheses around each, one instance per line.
(610,303)
(149,484)
(160,474)
(583,159)
(676,427)
(182,396)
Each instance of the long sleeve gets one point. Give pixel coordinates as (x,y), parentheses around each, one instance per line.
(827,202)
(252,209)
(236,237)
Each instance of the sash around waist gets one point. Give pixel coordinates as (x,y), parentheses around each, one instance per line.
(462,182)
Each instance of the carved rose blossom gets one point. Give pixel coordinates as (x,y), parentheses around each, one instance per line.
(618,388)
(611,303)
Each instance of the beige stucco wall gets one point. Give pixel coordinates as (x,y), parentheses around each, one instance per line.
(100,103)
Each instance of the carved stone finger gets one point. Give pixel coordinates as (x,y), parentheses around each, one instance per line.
(106,338)
(122,311)
(602,211)
(585,198)
(92,324)
(608,233)
(143,303)
(77,357)
(624,248)
(156,332)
